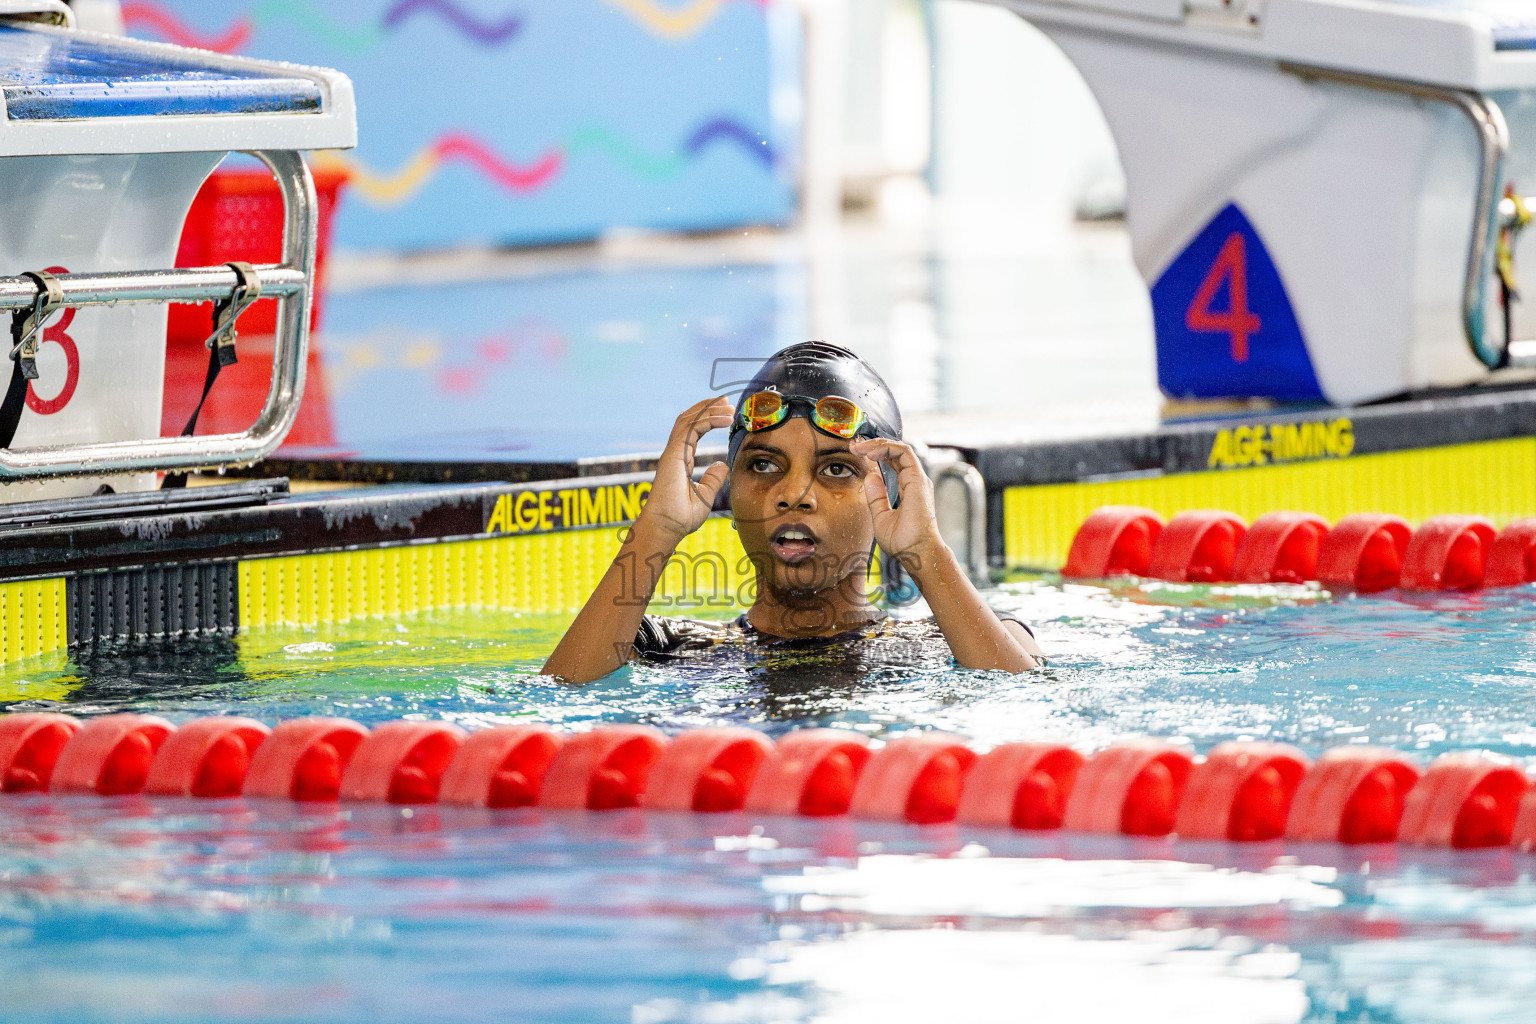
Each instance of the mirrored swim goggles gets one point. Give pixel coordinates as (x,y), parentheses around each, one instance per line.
(834,415)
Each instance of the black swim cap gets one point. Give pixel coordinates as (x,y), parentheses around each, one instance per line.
(814,370)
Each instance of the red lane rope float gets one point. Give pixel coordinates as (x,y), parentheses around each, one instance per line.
(1280,547)
(1523,836)
(604,769)
(1464,801)
(1020,785)
(401,762)
(1130,788)
(913,778)
(1448,553)
(1238,791)
(110,755)
(812,772)
(304,759)
(207,757)
(706,770)
(1512,561)
(1241,792)
(1364,552)
(1197,547)
(500,767)
(29,747)
(1115,540)
(1352,795)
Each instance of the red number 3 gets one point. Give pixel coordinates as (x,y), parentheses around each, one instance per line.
(55,334)
(1237,321)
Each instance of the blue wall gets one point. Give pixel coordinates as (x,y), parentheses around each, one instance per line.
(525,121)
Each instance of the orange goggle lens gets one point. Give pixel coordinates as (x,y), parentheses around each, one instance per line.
(763,410)
(838,416)
(834,415)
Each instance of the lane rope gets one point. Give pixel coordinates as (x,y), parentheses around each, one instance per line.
(1238,791)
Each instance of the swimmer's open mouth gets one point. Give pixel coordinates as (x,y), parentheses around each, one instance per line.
(794,543)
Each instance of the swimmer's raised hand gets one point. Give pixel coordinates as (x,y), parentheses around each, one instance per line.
(677,505)
(977,638)
(911,530)
(603,636)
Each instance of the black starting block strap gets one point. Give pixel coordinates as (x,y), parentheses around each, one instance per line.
(221,345)
(26,334)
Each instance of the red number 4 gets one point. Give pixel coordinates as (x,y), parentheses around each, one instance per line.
(1237,321)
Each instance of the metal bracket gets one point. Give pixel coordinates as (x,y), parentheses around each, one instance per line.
(227,311)
(27,324)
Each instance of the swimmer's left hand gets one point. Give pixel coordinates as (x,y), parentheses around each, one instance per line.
(910,531)
(976,637)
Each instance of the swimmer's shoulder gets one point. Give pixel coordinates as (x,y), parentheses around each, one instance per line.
(1010,617)
(1003,616)
(926,629)
(661,635)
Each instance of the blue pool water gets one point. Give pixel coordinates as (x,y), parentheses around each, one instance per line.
(135,909)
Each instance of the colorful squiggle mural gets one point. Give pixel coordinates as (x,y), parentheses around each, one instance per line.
(531,121)
(393,188)
(140,15)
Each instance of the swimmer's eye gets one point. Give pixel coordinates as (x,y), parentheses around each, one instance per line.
(763,466)
(839,470)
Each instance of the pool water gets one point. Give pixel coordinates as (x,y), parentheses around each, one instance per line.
(139,909)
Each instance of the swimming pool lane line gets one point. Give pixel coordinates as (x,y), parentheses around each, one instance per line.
(1493,478)
(1238,791)
(1364,552)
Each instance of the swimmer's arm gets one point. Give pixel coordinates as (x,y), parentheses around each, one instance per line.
(602,638)
(976,636)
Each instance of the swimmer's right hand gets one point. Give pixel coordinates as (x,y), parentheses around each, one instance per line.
(677,505)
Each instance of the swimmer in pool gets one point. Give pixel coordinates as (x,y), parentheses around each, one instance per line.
(816,464)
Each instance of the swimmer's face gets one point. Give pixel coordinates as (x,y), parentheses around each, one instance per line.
(798,498)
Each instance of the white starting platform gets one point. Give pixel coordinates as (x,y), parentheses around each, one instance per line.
(104,142)
(1322,194)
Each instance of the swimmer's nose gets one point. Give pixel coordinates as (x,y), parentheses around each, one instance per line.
(796,494)
(804,503)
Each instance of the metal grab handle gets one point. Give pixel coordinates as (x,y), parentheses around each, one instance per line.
(1493,142)
(967,538)
(180,284)
(289,281)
